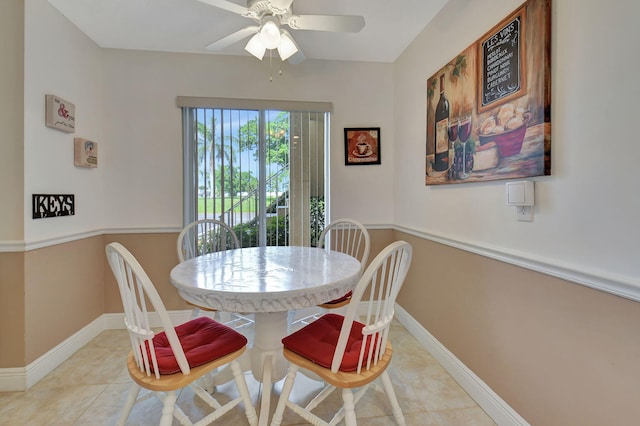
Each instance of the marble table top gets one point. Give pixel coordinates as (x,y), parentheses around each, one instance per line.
(266,279)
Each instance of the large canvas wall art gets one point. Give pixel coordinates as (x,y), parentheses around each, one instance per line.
(489,109)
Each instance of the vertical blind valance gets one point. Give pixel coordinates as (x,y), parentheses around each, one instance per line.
(252,104)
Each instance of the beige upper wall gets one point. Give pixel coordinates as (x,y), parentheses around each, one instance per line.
(12,120)
(143,160)
(585,218)
(68,65)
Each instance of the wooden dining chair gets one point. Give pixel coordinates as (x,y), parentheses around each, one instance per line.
(347,353)
(350,237)
(346,236)
(167,361)
(209,236)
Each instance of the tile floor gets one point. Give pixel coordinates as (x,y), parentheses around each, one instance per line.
(91,386)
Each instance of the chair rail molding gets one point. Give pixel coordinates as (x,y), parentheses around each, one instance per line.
(622,286)
(626,287)
(12,246)
(17,246)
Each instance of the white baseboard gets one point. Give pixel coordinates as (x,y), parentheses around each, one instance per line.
(485,397)
(22,378)
(12,379)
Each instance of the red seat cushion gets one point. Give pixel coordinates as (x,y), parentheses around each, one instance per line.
(202,339)
(341,299)
(317,342)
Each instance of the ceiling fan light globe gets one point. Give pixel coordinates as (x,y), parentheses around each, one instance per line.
(270,34)
(287,46)
(256,47)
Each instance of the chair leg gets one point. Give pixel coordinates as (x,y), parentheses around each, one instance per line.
(132,396)
(167,408)
(276,420)
(194,313)
(249,409)
(207,383)
(388,388)
(349,408)
(225,318)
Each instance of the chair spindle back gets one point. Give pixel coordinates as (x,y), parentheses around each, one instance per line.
(347,236)
(136,290)
(382,280)
(205,236)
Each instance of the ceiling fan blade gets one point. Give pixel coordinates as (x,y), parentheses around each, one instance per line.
(228,5)
(340,23)
(281,5)
(232,38)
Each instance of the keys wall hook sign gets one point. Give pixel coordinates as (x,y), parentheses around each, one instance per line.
(53,205)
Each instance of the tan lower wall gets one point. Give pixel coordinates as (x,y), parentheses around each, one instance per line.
(157,254)
(63,287)
(48,294)
(380,238)
(558,353)
(12,328)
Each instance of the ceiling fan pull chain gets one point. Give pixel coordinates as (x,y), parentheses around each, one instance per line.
(270,67)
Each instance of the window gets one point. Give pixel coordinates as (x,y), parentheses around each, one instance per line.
(259,166)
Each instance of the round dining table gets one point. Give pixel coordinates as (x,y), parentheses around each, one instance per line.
(267,281)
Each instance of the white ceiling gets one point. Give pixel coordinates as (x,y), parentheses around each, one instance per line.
(189,25)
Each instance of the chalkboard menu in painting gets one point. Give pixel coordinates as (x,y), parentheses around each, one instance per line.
(501,70)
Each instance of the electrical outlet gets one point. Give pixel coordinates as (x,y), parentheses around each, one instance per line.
(524,213)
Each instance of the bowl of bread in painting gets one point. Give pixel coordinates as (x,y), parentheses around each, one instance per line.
(506,129)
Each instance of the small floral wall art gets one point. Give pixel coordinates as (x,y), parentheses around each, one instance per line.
(60,114)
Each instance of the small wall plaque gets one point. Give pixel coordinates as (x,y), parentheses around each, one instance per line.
(85,153)
(60,114)
(53,205)
(361,145)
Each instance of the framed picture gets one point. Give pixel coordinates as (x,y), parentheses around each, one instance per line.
(60,114)
(489,108)
(85,153)
(361,146)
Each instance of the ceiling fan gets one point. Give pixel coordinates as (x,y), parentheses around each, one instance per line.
(270,16)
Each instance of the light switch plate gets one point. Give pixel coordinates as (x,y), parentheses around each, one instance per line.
(520,193)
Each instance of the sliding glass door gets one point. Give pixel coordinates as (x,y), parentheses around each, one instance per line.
(262,171)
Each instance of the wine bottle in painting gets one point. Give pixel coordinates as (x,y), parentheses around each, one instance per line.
(441,137)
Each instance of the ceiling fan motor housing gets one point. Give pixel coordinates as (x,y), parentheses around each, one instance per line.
(261,8)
